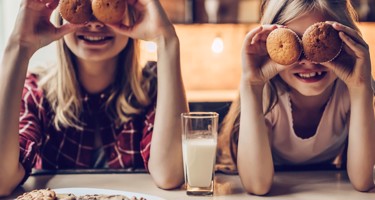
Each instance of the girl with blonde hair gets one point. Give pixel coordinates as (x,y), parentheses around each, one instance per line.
(96,108)
(306,113)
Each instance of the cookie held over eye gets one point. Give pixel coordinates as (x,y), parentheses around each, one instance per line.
(109,11)
(321,43)
(75,11)
(284,46)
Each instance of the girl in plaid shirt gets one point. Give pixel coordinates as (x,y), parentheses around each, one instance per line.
(96,107)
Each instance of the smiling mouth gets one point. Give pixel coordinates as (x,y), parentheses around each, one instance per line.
(94,39)
(312,76)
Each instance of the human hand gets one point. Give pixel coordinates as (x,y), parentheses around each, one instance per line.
(151,23)
(353,65)
(257,67)
(33,28)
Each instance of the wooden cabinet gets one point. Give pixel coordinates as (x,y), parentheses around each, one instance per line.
(176,10)
(212,11)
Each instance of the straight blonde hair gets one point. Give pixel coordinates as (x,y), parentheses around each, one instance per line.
(281,12)
(130,93)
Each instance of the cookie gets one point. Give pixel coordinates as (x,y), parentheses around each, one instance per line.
(283,46)
(43,194)
(109,11)
(76,11)
(321,43)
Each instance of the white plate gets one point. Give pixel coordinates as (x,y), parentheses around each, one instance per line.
(91,191)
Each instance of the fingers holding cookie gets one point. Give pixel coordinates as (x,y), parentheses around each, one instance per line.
(37,5)
(51,4)
(349,31)
(257,67)
(258,36)
(353,40)
(353,66)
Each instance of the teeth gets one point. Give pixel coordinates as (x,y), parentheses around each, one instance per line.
(309,75)
(92,38)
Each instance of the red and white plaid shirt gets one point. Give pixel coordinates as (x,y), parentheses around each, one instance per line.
(43,147)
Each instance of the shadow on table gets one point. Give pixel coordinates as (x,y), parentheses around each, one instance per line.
(286,183)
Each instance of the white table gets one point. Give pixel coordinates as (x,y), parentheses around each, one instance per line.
(314,185)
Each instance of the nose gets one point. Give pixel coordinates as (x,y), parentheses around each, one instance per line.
(95,24)
(303,60)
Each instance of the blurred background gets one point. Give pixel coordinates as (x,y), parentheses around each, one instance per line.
(211,34)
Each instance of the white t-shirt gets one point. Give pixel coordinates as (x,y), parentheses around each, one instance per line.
(325,144)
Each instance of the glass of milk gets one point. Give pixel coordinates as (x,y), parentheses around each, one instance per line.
(199,141)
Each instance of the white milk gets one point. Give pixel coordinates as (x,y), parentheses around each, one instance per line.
(199,158)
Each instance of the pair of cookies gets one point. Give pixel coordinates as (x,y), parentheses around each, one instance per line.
(82,11)
(320,43)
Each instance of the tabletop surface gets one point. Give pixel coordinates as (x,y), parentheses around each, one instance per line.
(287,185)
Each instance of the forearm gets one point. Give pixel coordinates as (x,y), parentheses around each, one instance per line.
(254,159)
(361,149)
(165,162)
(12,77)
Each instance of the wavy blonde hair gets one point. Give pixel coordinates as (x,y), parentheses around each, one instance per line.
(129,95)
(282,12)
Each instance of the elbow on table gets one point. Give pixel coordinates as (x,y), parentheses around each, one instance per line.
(166,178)
(362,182)
(363,186)
(5,189)
(259,187)
(168,183)
(9,180)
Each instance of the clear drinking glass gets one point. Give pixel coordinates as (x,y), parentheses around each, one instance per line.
(199,142)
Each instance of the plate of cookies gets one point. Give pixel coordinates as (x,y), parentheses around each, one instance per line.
(85,194)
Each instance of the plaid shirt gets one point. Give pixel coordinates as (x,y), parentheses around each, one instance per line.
(43,147)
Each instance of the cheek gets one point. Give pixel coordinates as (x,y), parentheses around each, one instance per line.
(70,40)
(332,76)
(285,75)
(121,42)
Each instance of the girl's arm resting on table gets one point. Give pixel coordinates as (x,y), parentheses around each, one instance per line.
(165,164)
(361,149)
(31,31)
(12,77)
(254,158)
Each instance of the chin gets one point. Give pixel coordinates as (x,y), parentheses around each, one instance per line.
(310,91)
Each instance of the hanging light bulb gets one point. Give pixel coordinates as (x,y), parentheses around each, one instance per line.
(217,45)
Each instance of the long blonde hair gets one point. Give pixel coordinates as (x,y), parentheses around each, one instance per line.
(282,12)
(129,95)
